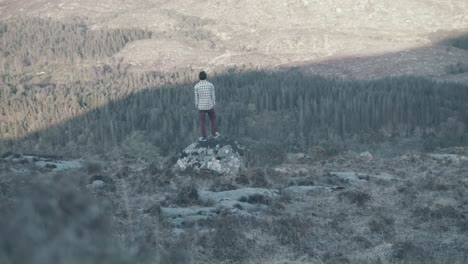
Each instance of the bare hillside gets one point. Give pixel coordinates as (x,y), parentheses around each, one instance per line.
(263,33)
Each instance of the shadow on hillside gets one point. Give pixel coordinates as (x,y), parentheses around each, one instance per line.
(425,62)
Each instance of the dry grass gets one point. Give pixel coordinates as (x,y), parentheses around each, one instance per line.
(418,217)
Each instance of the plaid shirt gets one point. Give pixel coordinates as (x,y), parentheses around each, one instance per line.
(204,95)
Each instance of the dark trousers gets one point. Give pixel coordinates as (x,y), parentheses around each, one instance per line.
(212,115)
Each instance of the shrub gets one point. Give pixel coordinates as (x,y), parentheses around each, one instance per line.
(456,68)
(295,231)
(187,196)
(93,167)
(266,153)
(354,196)
(461,42)
(219,186)
(407,252)
(228,242)
(382,225)
(256,199)
(56,223)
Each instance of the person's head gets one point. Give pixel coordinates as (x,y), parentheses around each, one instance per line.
(202,75)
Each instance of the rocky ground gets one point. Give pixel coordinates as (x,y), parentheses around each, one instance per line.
(350,208)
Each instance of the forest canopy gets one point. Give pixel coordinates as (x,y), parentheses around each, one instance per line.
(104,106)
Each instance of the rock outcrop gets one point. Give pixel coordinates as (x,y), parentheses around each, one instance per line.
(247,202)
(218,154)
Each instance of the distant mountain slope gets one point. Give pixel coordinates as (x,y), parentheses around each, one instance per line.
(257,32)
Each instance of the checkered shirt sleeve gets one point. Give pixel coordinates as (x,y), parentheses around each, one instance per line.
(204,95)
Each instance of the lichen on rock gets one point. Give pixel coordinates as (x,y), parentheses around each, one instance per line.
(219,154)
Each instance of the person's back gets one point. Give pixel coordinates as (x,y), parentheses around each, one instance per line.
(205,100)
(204,95)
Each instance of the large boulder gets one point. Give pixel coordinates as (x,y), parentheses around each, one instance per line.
(221,155)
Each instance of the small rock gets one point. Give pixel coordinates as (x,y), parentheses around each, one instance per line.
(366,155)
(98,184)
(104,182)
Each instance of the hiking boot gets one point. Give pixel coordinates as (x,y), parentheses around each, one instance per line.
(216,135)
(202,138)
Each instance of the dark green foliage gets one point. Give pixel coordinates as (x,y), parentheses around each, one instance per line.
(295,231)
(460,42)
(256,199)
(355,197)
(219,186)
(35,41)
(456,68)
(270,113)
(187,196)
(407,252)
(266,153)
(93,167)
(314,111)
(382,225)
(228,243)
(55,223)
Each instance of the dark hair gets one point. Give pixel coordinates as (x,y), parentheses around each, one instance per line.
(202,75)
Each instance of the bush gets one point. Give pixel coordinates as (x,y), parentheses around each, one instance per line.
(266,153)
(407,252)
(56,223)
(457,68)
(295,231)
(461,42)
(228,241)
(93,167)
(187,196)
(356,197)
(382,225)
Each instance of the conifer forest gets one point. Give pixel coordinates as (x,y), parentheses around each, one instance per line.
(101,159)
(97,108)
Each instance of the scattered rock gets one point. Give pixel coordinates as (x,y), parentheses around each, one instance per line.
(447,159)
(241,202)
(59,164)
(237,195)
(221,155)
(350,177)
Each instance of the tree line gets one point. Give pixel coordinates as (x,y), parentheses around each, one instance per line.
(30,42)
(289,108)
(102,107)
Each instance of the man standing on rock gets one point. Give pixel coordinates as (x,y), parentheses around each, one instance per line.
(205,101)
